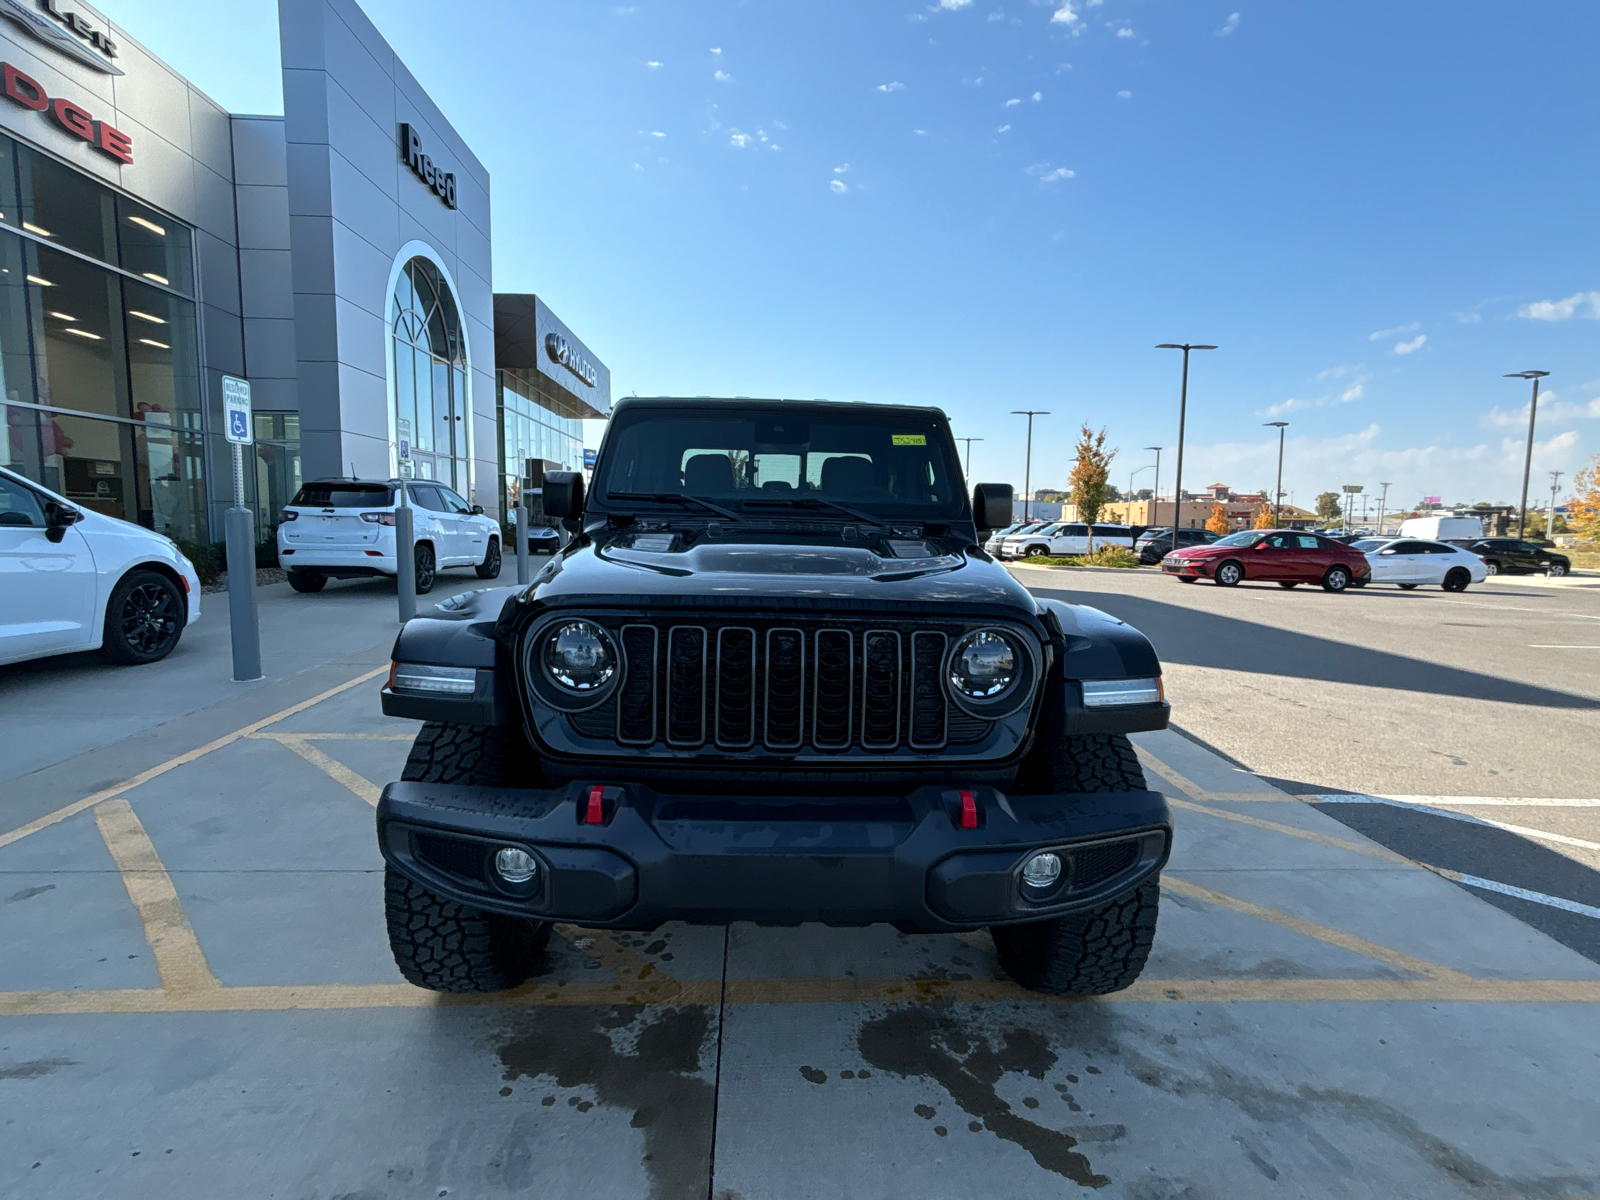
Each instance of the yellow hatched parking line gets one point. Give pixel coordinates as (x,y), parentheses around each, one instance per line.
(332,767)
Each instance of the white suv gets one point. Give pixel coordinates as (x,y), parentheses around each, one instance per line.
(344,529)
(1064,539)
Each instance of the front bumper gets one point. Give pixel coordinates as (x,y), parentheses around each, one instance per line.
(906,860)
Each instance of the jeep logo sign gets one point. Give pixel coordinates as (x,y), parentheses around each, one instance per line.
(441,181)
(559,351)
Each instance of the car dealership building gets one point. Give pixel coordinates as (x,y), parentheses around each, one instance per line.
(337,257)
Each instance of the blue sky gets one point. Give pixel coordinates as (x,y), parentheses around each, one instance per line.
(1375,209)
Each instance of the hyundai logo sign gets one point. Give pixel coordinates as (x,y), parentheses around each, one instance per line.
(561,352)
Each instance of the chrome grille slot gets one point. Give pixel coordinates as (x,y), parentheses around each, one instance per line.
(686,685)
(786,687)
(929,713)
(832,684)
(736,687)
(880,689)
(636,699)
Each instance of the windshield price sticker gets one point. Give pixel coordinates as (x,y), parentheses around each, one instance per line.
(909,439)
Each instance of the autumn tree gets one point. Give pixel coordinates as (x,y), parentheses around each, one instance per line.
(1218,522)
(1583,510)
(1328,510)
(1264,517)
(1090,477)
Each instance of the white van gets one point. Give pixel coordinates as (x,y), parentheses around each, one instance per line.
(1442,529)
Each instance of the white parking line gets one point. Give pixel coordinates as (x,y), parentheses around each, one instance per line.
(1536,646)
(1481,801)
(1521,830)
(1505,889)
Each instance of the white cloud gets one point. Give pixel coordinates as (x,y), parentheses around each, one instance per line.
(896,86)
(952,5)
(716,49)
(1354,391)
(1395,332)
(1563,310)
(652,64)
(920,132)
(722,77)
(637,167)
(1125,32)
(657,133)
(1065,15)
(1229,25)
(842,169)
(1413,345)
(740,140)
(1124,95)
(1012,103)
(1550,409)
(839,186)
(1037,96)
(996,15)
(1003,129)
(1045,173)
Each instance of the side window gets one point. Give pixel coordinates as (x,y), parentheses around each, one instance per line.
(20,506)
(454,503)
(1306,542)
(1279,541)
(426,497)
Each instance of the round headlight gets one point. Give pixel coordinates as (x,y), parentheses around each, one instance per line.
(985,665)
(579,656)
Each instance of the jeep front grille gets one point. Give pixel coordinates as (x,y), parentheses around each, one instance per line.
(782,688)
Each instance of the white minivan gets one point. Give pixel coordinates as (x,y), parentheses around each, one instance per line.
(72,579)
(344,529)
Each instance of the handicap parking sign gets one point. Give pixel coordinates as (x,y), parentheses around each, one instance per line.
(236,410)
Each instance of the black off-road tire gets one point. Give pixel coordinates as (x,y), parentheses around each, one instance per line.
(306,581)
(438,943)
(489,568)
(1102,949)
(1091,953)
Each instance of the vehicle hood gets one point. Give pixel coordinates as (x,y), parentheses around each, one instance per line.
(777,576)
(1200,551)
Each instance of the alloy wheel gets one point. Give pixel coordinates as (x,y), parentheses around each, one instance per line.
(149,619)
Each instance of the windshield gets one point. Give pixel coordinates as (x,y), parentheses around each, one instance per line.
(1244,537)
(894,463)
(344,495)
(1367,545)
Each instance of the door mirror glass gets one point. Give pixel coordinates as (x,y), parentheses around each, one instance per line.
(57,517)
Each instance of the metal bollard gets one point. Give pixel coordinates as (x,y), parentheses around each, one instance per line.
(405,557)
(524,567)
(240,531)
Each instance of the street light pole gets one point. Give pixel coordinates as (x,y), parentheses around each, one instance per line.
(1027,470)
(1277,494)
(1183,408)
(1128,514)
(1383,505)
(1155,492)
(1527,459)
(1550,518)
(968,469)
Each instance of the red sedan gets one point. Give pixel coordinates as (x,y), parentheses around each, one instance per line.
(1271,556)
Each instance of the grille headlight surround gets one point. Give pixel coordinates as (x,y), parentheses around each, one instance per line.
(991,672)
(572,663)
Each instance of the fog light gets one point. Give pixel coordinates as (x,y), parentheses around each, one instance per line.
(1040,871)
(515,865)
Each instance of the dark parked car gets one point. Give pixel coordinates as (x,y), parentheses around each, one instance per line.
(1513,556)
(1272,556)
(1152,545)
(773,678)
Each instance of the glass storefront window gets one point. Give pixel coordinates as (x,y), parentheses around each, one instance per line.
(154,246)
(58,203)
(277,452)
(163,354)
(76,312)
(430,373)
(16,353)
(534,422)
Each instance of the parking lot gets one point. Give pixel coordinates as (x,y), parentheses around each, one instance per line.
(198,999)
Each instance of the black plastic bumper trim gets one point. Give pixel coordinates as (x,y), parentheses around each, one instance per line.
(772,860)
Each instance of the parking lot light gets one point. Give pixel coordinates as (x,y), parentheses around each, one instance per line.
(1183,406)
(1277,495)
(1527,458)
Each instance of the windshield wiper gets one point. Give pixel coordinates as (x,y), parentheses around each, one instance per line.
(819,502)
(674,498)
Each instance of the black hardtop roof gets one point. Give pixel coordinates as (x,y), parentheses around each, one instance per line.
(347,481)
(774,405)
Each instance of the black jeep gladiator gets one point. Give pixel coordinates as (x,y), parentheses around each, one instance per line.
(773,678)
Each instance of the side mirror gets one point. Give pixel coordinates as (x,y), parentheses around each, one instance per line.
(563,494)
(57,517)
(477,510)
(991,506)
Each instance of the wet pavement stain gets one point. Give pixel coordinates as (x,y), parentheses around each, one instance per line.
(658,1082)
(814,1075)
(925,1043)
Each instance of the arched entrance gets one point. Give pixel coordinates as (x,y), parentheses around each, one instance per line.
(430,375)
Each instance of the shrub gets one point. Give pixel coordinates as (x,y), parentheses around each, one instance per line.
(1111,556)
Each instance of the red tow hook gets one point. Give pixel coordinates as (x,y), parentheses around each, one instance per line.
(969,810)
(595,813)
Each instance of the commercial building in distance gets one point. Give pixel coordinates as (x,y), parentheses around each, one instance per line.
(337,257)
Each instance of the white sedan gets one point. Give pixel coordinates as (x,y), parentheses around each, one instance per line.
(72,579)
(1411,563)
